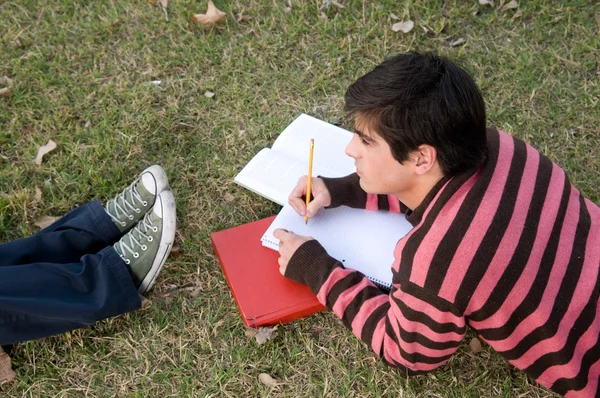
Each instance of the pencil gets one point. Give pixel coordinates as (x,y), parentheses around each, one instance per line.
(309,179)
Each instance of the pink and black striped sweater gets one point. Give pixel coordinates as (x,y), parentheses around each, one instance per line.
(511,249)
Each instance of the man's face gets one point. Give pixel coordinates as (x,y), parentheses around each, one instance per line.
(379,172)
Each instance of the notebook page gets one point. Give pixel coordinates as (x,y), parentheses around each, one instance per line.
(330,143)
(273,174)
(360,239)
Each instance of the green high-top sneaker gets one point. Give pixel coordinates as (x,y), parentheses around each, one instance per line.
(145,248)
(128,207)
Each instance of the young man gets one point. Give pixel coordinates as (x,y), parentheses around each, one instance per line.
(91,264)
(502,242)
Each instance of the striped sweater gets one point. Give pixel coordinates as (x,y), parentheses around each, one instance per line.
(511,249)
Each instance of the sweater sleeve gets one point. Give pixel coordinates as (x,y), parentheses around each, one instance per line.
(346,191)
(409,328)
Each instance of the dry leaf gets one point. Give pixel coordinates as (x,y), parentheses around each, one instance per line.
(163,4)
(338,5)
(38,195)
(212,16)
(518,14)
(475,346)
(44,221)
(511,5)
(242,133)
(268,380)
(250,332)
(175,251)
(287,9)
(458,42)
(488,2)
(209,94)
(51,145)
(5,92)
(7,375)
(5,80)
(228,197)
(262,335)
(405,26)
(394,16)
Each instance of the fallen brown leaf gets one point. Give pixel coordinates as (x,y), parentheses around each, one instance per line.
(475,345)
(268,380)
(458,42)
(250,332)
(488,2)
(5,80)
(38,195)
(265,334)
(518,14)
(209,94)
(163,4)
(405,26)
(394,16)
(175,251)
(511,5)
(212,16)
(44,221)
(7,375)
(338,5)
(51,145)
(228,197)
(5,92)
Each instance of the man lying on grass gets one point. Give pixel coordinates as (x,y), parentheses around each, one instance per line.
(502,242)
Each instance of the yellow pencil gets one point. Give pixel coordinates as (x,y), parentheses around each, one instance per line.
(309,179)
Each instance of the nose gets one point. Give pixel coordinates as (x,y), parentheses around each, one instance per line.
(352,147)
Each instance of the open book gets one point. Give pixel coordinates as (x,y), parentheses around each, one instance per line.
(361,239)
(274,172)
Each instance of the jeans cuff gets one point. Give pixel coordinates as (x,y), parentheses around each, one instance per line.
(103,221)
(119,269)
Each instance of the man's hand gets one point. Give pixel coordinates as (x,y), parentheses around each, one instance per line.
(321,196)
(289,242)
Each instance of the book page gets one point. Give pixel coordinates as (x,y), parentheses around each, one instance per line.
(363,240)
(330,143)
(273,173)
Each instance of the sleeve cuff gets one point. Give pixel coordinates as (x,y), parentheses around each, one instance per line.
(311,265)
(345,191)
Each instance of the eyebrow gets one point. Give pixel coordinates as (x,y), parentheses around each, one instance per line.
(363,136)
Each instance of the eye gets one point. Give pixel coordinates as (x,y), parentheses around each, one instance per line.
(364,142)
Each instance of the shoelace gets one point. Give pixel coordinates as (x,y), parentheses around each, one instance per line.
(134,242)
(122,210)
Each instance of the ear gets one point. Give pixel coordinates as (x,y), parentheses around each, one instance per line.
(426,159)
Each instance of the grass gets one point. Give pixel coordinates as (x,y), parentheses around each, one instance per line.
(82,74)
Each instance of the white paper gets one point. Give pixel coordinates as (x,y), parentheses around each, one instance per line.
(363,240)
(273,173)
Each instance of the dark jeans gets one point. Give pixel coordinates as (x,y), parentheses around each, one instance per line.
(64,277)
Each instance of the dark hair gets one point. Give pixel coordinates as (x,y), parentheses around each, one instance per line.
(414,99)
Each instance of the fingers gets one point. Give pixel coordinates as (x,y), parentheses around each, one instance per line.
(295,198)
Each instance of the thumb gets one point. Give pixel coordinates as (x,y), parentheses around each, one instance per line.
(314,206)
(281,233)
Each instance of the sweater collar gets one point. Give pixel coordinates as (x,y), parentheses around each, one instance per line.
(415,216)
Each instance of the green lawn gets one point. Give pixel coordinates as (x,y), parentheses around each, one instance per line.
(81,75)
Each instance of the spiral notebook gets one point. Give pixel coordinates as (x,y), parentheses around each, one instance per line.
(363,240)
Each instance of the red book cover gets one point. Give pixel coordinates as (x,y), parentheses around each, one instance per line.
(263,296)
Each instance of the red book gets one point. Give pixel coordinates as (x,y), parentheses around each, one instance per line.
(263,296)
